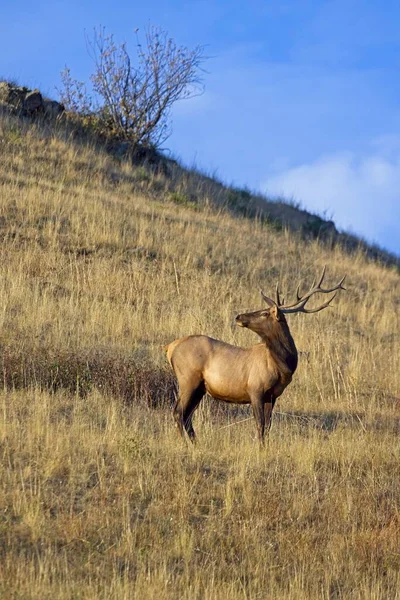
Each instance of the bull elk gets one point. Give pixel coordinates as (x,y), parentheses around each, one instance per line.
(256,375)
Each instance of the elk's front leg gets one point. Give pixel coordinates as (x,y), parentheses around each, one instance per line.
(268,408)
(257,405)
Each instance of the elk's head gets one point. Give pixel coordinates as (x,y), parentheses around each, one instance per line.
(262,321)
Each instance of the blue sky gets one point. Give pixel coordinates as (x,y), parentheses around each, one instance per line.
(302,98)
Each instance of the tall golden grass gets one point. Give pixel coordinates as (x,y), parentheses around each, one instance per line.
(98,496)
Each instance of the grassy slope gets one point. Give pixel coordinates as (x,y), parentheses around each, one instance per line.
(98,497)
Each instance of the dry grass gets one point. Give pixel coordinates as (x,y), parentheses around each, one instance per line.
(98,497)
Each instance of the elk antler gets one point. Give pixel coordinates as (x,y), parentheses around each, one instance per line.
(301,301)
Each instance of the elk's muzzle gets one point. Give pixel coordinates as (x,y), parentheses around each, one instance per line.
(241,321)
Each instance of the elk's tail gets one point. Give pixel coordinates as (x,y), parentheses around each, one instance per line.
(169,349)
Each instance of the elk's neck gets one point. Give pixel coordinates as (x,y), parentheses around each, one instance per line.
(280,343)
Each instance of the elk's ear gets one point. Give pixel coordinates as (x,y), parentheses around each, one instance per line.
(275,312)
(269,301)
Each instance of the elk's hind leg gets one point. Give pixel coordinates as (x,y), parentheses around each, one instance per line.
(185,406)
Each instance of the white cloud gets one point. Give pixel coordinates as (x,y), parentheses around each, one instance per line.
(361,193)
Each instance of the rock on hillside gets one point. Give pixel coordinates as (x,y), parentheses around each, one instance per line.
(22,100)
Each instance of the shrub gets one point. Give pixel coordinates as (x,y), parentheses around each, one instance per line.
(132,99)
(240,201)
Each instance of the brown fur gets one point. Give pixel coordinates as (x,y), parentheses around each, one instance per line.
(256,375)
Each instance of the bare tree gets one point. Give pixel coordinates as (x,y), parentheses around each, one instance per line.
(74,95)
(133,100)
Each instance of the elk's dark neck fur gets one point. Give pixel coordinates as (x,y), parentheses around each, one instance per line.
(279,341)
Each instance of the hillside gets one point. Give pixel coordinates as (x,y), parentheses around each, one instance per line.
(103,263)
(181,185)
